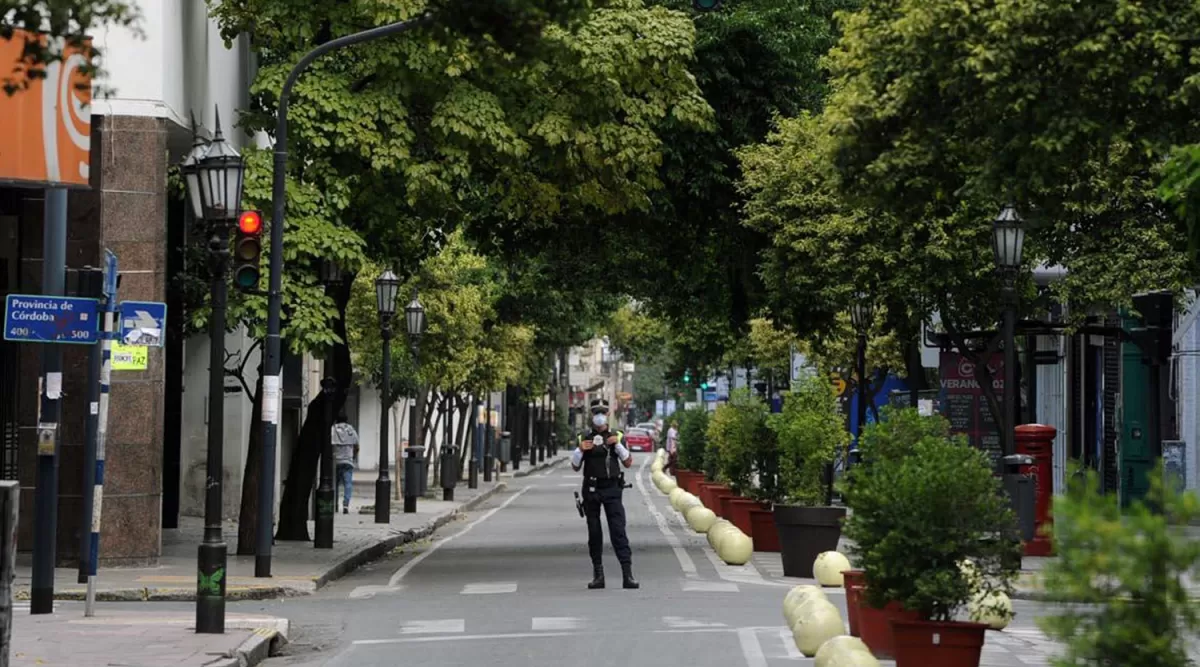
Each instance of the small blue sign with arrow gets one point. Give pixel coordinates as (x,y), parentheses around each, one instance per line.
(143,323)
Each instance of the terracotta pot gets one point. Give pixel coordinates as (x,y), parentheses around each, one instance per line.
(875,625)
(937,643)
(765,534)
(726,505)
(702,492)
(805,533)
(687,479)
(739,514)
(854,581)
(715,494)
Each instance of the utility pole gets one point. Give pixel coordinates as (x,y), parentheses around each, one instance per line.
(45,526)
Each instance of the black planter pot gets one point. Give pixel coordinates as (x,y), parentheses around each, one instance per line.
(805,533)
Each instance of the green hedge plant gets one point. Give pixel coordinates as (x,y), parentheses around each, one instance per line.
(809,432)
(738,432)
(918,517)
(888,441)
(1129,569)
(693,424)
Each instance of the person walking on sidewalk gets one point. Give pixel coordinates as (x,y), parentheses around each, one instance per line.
(672,447)
(345,450)
(600,455)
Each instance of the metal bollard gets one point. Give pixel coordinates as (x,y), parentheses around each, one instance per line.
(414,465)
(449,471)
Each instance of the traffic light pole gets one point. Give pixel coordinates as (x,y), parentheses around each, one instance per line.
(272,380)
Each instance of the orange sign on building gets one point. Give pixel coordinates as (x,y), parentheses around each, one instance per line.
(45,129)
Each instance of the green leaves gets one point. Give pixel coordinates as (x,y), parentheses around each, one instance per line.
(1129,568)
(810,431)
(916,519)
(693,439)
(738,431)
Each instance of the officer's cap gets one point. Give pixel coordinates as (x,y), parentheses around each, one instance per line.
(599,405)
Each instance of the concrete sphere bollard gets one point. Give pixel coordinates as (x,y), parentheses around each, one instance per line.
(736,547)
(797,595)
(970,573)
(668,485)
(687,502)
(817,623)
(716,533)
(844,651)
(674,496)
(801,608)
(994,609)
(829,566)
(701,518)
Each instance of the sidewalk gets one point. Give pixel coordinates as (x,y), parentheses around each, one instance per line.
(140,639)
(297,568)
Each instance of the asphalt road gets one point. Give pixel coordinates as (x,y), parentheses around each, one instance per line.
(505,586)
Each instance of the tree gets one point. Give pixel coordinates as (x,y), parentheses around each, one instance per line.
(1067,111)
(66,23)
(552,117)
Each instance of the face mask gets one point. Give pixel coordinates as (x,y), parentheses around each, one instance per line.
(600,420)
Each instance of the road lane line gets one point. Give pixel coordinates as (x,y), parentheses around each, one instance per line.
(460,638)
(751,649)
(685,561)
(400,574)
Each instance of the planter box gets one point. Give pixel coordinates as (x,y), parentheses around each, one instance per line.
(688,479)
(716,494)
(765,533)
(726,504)
(854,582)
(937,644)
(702,492)
(739,514)
(806,532)
(875,626)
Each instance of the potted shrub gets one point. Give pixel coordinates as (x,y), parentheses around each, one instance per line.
(883,444)
(808,433)
(915,521)
(692,444)
(738,430)
(1108,557)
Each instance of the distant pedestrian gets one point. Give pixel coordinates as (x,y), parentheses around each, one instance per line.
(672,446)
(345,451)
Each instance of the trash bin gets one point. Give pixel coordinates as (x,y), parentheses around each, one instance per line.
(506,446)
(449,471)
(1021,493)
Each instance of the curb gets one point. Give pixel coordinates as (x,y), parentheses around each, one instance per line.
(274,591)
(525,472)
(265,642)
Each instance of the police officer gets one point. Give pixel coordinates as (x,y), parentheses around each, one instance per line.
(600,455)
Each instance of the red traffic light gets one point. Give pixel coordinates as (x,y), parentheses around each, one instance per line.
(250,222)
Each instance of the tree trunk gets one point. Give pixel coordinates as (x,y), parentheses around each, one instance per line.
(302,474)
(248,514)
(400,425)
(464,402)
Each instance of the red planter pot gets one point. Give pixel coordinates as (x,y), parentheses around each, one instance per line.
(702,492)
(875,626)
(715,494)
(765,533)
(687,479)
(937,644)
(726,505)
(740,514)
(854,581)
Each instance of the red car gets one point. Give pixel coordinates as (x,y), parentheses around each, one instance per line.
(639,440)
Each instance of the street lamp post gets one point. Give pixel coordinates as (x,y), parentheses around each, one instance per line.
(414,468)
(214,182)
(273,362)
(386,287)
(1008,240)
(862,311)
(331,276)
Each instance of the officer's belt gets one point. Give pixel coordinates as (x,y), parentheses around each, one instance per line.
(602,482)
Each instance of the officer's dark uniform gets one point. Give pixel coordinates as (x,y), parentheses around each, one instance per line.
(603,486)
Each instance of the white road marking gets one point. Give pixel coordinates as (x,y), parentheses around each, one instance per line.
(751,649)
(368,592)
(789,642)
(407,567)
(456,638)
(710,587)
(542,624)
(574,484)
(444,626)
(489,588)
(679,623)
(685,561)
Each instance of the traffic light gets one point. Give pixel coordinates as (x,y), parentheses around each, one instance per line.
(706,5)
(687,377)
(247,250)
(704,386)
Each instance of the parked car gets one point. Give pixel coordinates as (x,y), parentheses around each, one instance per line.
(639,440)
(650,428)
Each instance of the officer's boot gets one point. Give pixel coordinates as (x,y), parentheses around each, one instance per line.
(597,578)
(627,576)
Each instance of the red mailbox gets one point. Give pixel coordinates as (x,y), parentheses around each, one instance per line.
(1037,442)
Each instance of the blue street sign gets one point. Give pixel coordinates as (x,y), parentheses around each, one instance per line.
(110,273)
(143,323)
(51,319)
(710,397)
